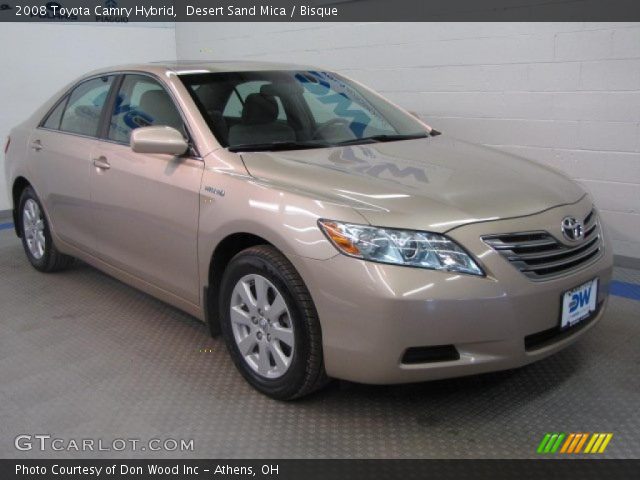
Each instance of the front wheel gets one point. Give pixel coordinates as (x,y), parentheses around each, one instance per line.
(270,324)
(36,235)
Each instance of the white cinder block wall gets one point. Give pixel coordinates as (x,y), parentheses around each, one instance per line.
(564,94)
(38,59)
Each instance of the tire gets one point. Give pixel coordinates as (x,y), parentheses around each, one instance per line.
(266,332)
(36,235)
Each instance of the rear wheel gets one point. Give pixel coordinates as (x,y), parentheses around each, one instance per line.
(36,235)
(270,324)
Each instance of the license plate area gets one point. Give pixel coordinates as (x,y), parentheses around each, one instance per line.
(579,303)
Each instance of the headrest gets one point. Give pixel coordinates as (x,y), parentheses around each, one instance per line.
(151,97)
(159,106)
(282,89)
(259,109)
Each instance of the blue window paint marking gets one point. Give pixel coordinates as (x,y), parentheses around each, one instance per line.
(6,226)
(625,289)
(320,84)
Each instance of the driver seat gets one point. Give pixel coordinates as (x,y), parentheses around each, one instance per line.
(259,122)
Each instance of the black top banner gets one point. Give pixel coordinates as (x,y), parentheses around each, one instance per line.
(122,11)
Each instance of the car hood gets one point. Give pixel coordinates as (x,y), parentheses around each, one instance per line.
(436,183)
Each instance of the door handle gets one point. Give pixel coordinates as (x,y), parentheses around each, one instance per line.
(101,163)
(36,145)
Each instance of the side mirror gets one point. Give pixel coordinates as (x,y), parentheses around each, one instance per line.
(158,139)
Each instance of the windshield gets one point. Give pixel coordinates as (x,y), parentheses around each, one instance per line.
(268,110)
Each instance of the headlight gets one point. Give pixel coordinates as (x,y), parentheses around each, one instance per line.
(399,247)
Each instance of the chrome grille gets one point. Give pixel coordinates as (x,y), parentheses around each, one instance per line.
(540,256)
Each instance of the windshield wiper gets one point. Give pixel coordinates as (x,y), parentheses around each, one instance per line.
(382,138)
(290,145)
(274,146)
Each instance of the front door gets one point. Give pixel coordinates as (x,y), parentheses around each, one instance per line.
(146,207)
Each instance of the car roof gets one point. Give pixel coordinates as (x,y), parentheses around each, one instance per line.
(200,66)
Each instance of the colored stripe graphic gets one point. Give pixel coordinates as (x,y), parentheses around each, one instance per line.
(598,443)
(572,443)
(567,442)
(556,445)
(543,443)
(581,443)
(606,441)
(579,437)
(6,226)
(596,446)
(551,443)
(576,439)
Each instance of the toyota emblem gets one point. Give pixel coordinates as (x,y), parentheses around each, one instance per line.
(572,229)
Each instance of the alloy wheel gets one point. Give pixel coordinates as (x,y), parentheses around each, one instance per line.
(33,228)
(262,326)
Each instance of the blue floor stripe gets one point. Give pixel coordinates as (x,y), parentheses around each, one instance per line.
(625,289)
(619,289)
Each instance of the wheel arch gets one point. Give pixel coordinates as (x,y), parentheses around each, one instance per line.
(19,185)
(226,249)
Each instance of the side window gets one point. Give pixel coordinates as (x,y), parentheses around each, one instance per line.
(84,107)
(55,117)
(141,102)
(235,104)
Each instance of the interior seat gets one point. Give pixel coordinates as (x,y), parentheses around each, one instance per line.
(159,106)
(259,124)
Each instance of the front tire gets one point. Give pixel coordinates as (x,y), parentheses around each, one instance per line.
(270,324)
(36,235)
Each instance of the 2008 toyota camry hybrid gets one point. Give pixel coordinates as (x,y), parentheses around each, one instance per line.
(325,232)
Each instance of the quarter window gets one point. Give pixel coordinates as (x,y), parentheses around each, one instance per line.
(55,117)
(84,107)
(141,102)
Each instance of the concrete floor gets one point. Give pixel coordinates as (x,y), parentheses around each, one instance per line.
(84,356)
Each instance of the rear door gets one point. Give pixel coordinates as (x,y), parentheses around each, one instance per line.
(146,207)
(60,155)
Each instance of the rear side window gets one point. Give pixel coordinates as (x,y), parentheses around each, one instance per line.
(84,107)
(141,102)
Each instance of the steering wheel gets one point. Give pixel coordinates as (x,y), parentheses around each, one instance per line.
(331,123)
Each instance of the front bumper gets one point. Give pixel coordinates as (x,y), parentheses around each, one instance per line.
(372,313)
